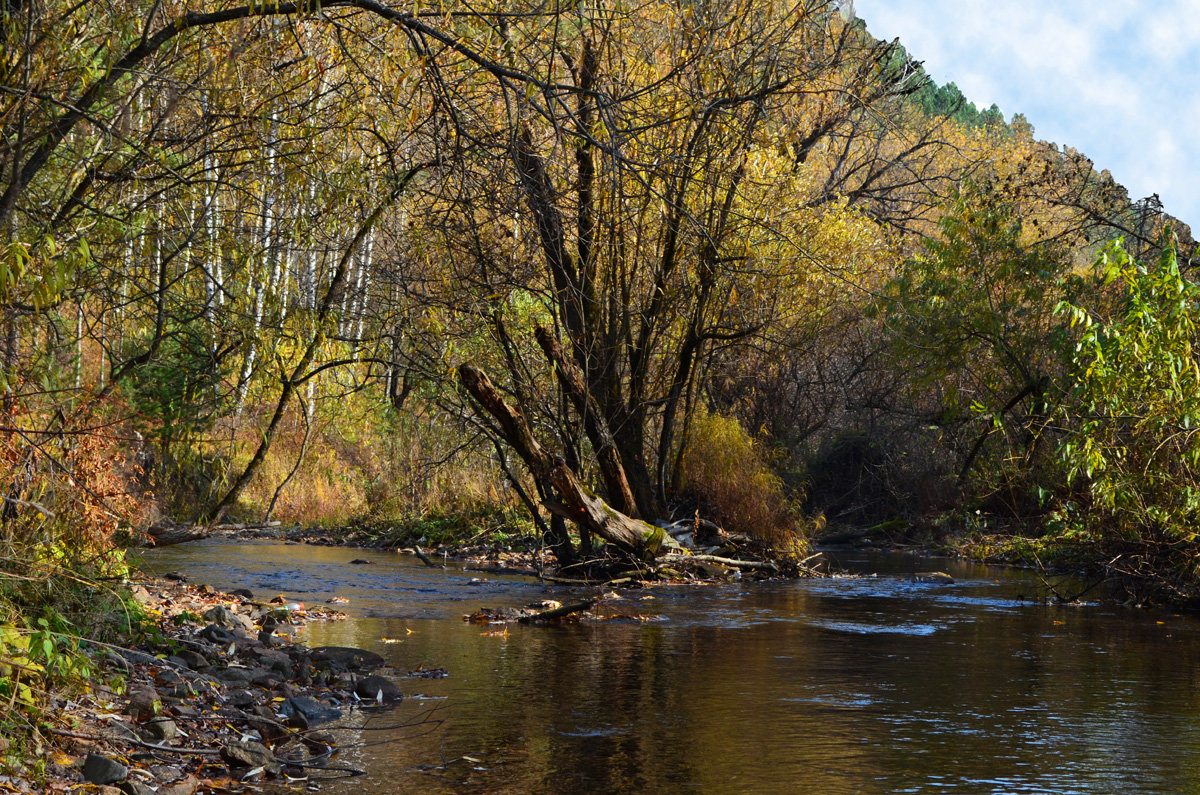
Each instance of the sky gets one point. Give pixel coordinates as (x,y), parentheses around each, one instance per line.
(1119,80)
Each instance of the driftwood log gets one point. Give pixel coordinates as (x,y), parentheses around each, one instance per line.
(576,503)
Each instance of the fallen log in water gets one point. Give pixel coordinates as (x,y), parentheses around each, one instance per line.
(765,565)
(558,612)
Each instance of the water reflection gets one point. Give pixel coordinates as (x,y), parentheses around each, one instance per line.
(844,685)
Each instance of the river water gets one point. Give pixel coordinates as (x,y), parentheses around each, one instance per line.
(844,685)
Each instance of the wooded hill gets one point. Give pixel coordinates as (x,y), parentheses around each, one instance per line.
(734,258)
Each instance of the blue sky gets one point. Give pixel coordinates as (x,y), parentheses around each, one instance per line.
(1119,80)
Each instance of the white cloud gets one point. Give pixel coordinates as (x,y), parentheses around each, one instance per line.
(1115,79)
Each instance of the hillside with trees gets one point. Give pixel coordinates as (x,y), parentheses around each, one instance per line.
(574,268)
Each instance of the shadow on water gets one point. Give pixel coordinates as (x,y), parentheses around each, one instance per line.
(867,684)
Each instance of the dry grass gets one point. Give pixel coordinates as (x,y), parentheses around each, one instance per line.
(726,472)
(364,465)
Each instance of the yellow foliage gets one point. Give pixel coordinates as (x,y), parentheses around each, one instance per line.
(727,471)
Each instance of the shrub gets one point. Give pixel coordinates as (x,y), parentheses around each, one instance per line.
(1135,406)
(727,473)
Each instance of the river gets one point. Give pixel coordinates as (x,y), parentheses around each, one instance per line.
(874,684)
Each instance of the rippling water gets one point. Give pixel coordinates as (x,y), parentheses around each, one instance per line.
(873,684)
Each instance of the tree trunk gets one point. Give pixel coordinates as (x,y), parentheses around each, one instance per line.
(576,503)
(594,424)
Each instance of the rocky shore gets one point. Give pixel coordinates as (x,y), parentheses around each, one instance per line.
(215,696)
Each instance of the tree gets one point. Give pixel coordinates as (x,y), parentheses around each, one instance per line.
(629,230)
(974,316)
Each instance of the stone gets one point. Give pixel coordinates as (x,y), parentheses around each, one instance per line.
(319,742)
(242,676)
(706,534)
(136,788)
(144,703)
(263,677)
(186,787)
(346,657)
(712,570)
(168,676)
(181,691)
(165,772)
(241,699)
(218,635)
(192,659)
(250,754)
(308,712)
(159,730)
(121,731)
(223,617)
(276,661)
(245,593)
(262,719)
(370,688)
(102,770)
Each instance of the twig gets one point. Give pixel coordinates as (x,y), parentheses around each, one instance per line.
(139,743)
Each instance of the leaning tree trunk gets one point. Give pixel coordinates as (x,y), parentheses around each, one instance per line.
(576,503)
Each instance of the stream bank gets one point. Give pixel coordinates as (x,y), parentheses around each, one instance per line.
(217,694)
